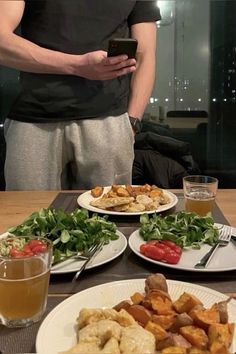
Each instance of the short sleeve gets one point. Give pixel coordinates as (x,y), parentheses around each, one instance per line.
(144,11)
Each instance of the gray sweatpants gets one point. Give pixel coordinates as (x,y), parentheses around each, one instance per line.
(72,155)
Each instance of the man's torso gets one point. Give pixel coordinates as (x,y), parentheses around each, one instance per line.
(73,27)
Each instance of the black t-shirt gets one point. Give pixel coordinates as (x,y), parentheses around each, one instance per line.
(76,27)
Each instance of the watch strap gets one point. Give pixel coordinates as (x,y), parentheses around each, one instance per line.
(136,124)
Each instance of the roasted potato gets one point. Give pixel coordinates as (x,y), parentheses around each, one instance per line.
(97,191)
(186,302)
(165,321)
(181,320)
(183,326)
(174,350)
(157,330)
(218,348)
(125,304)
(222,333)
(195,335)
(222,307)
(194,350)
(137,298)
(156,281)
(204,318)
(173,340)
(162,306)
(140,314)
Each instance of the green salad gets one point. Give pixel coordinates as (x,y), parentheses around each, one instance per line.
(185,229)
(70,233)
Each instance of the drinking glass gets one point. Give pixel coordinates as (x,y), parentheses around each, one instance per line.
(123,178)
(24,282)
(199,193)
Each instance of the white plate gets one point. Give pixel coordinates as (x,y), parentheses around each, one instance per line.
(109,252)
(85,199)
(223,260)
(57,333)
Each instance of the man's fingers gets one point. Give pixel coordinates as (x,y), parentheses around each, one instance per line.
(121,60)
(115,73)
(114,60)
(130,63)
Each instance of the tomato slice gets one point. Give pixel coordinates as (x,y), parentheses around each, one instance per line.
(14,253)
(173,246)
(39,249)
(27,250)
(172,257)
(34,243)
(155,252)
(143,248)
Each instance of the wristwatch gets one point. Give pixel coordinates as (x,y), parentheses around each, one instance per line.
(136,124)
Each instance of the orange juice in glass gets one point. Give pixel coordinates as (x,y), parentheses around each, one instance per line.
(199,193)
(24,278)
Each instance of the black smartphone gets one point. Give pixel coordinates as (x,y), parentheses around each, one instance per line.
(118,46)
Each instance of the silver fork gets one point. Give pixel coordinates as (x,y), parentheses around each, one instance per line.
(90,254)
(224,238)
(76,256)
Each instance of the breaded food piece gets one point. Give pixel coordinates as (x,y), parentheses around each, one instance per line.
(155,193)
(88,316)
(135,207)
(135,339)
(122,192)
(104,203)
(120,208)
(144,199)
(97,191)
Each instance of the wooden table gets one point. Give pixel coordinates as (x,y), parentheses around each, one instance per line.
(16,206)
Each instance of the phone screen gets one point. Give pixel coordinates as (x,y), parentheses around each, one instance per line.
(118,46)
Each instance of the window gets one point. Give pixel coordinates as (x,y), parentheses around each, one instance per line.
(195,90)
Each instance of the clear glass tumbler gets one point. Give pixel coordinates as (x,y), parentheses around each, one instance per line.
(199,193)
(25,264)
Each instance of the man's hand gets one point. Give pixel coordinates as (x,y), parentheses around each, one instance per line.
(97,66)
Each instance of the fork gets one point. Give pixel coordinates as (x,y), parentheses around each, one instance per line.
(75,256)
(91,252)
(224,238)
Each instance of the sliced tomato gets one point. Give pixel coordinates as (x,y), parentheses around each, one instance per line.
(14,253)
(27,250)
(164,251)
(39,249)
(163,247)
(143,247)
(154,252)
(34,243)
(172,245)
(171,257)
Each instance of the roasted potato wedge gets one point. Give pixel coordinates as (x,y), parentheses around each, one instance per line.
(97,191)
(186,302)
(195,335)
(140,314)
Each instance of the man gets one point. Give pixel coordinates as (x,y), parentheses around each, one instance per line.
(70,126)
